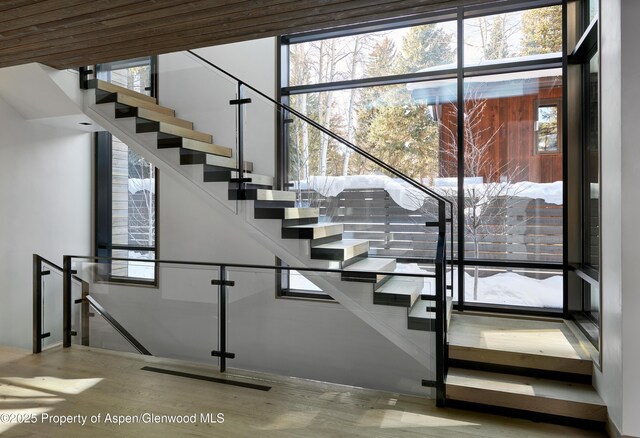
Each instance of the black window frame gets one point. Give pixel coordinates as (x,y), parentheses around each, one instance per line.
(459,73)
(548,102)
(103,194)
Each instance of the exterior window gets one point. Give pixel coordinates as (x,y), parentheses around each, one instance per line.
(126,190)
(294,284)
(548,134)
(396,91)
(126,210)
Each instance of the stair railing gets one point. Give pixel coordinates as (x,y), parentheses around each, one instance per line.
(85,270)
(440,260)
(287,111)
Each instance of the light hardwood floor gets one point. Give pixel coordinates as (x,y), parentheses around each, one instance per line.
(83,381)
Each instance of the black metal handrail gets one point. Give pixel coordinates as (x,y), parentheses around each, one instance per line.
(240,83)
(330,133)
(70,274)
(38,273)
(252,266)
(118,327)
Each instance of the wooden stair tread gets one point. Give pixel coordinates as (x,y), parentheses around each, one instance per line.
(526,393)
(269,195)
(113,88)
(145,113)
(399,291)
(402,286)
(340,250)
(287,213)
(542,344)
(257,179)
(224,162)
(178,131)
(126,99)
(373,264)
(342,244)
(208,148)
(527,336)
(318,225)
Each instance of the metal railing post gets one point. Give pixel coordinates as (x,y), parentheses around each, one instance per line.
(240,102)
(222,309)
(37,304)
(441,317)
(66,302)
(240,136)
(84,315)
(222,352)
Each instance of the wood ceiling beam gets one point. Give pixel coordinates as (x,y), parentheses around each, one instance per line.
(149,36)
(69,33)
(37,10)
(139,12)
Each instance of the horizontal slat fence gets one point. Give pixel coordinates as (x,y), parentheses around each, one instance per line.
(512,228)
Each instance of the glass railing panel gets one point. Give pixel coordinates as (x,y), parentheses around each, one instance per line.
(210,110)
(309,332)
(177,319)
(348,188)
(51,306)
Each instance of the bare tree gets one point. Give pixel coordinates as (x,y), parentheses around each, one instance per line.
(485,203)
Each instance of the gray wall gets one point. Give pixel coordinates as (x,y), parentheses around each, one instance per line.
(45,196)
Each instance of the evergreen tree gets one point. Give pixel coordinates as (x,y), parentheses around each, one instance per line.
(423,47)
(393,126)
(542,31)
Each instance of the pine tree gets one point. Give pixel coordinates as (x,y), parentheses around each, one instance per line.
(423,47)
(542,31)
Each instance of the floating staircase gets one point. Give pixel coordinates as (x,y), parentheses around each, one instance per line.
(484,371)
(219,166)
(533,368)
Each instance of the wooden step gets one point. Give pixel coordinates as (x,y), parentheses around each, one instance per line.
(572,400)
(123,111)
(399,291)
(287,214)
(341,250)
(516,342)
(263,181)
(113,88)
(312,231)
(422,315)
(262,195)
(143,125)
(125,99)
(208,148)
(213,163)
(370,264)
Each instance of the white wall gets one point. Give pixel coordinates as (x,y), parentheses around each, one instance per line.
(322,341)
(630,112)
(201,94)
(45,199)
(619,381)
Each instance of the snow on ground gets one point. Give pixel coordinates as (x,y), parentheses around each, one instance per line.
(139,184)
(140,269)
(508,288)
(412,199)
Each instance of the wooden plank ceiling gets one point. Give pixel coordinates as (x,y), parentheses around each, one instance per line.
(71,33)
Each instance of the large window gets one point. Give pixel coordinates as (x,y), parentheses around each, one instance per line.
(585,293)
(126,190)
(487,135)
